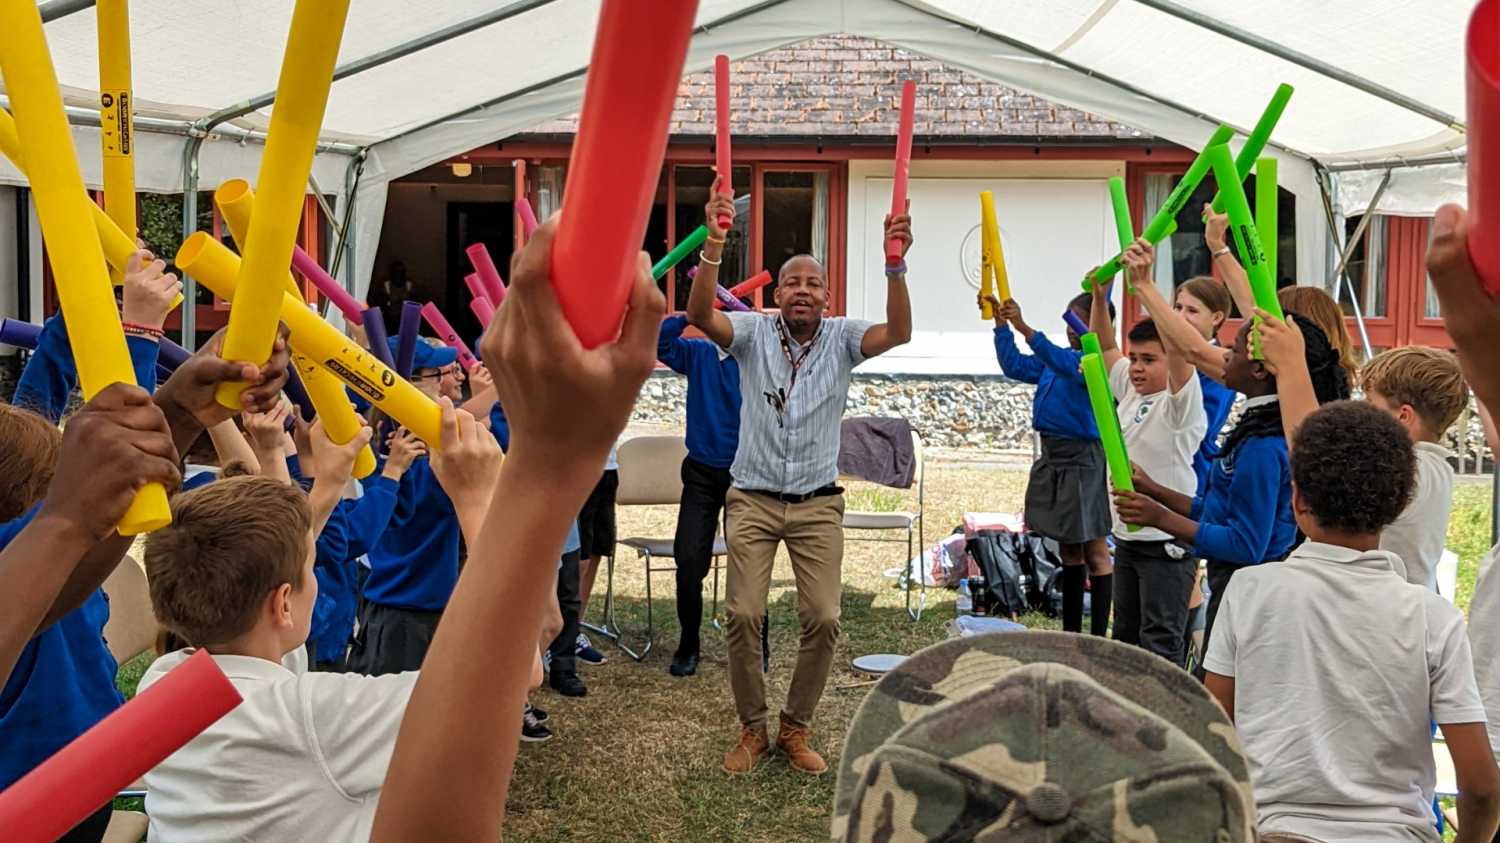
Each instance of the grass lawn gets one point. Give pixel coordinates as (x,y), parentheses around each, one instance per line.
(638,759)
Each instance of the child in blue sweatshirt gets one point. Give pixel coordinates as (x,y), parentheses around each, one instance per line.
(1243,516)
(713,434)
(1066,499)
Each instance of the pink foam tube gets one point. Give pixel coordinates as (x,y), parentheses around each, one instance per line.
(1483,47)
(485,269)
(335,291)
(903,164)
(622,134)
(87,773)
(528,217)
(483,310)
(724,162)
(445,332)
(476,286)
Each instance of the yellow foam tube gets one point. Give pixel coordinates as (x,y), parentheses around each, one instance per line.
(236,203)
(78,266)
(987,266)
(997,257)
(312,47)
(117,247)
(340,421)
(217,268)
(116,112)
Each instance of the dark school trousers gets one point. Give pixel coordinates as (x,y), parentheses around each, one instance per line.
(1219,574)
(703,491)
(1152,590)
(564,646)
(391,639)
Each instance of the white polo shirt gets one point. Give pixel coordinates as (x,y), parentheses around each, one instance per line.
(1337,663)
(302,758)
(1419,534)
(1484,635)
(1162,432)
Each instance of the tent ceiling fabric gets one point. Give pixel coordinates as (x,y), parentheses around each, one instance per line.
(1128,60)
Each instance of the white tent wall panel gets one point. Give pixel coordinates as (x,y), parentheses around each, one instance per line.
(1413,191)
(9,276)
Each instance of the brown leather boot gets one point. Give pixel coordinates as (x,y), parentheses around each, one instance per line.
(792,741)
(746,755)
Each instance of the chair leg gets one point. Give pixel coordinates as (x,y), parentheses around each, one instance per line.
(650,619)
(714,616)
(608,626)
(921,577)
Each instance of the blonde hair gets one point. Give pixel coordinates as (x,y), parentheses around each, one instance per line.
(1323,311)
(27,460)
(1211,292)
(1428,379)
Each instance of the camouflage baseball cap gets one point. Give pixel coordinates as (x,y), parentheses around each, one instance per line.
(1166,708)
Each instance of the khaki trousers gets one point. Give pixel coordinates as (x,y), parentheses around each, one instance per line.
(814,536)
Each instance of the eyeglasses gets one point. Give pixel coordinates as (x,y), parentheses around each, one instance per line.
(450,371)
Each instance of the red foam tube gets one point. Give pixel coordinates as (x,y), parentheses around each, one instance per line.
(1483,47)
(485,268)
(751,284)
(87,773)
(445,332)
(335,291)
(528,217)
(483,310)
(903,164)
(724,164)
(622,133)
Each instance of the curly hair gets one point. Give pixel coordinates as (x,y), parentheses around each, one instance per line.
(1353,467)
(1321,310)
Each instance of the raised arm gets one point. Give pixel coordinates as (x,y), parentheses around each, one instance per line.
(896,329)
(1286,358)
(266,433)
(700,307)
(481,394)
(231,445)
(334,463)
(1178,337)
(1234,274)
(467,468)
(1100,323)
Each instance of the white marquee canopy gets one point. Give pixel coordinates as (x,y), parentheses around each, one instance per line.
(1379,82)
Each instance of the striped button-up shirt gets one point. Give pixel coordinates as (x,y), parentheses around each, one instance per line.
(789,431)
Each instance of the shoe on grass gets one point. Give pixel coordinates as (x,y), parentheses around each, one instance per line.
(568,684)
(586,653)
(748,752)
(684,665)
(537,713)
(792,741)
(533,731)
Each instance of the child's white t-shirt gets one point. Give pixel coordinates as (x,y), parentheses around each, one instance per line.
(1484,634)
(1418,535)
(1338,662)
(1162,433)
(302,758)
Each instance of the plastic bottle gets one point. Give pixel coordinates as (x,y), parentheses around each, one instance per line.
(965,599)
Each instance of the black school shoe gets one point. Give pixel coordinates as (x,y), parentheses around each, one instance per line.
(532,731)
(567,683)
(537,713)
(684,665)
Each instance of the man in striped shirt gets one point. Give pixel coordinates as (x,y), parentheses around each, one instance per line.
(795,370)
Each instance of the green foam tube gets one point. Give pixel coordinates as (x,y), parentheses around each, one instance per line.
(1266,199)
(1103,402)
(1090,343)
(683,249)
(1123,224)
(1256,143)
(1246,236)
(1161,225)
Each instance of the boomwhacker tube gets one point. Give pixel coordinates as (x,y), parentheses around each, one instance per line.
(987,265)
(484,267)
(723,298)
(1255,144)
(1162,224)
(683,249)
(335,291)
(1246,236)
(296,392)
(116,112)
(408,334)
(903,164)
(1123,225)
(476,286)
(209,261)
(528,217)
(632,83)
(1267,201)
(997,258)
(19,334)
(445,332)
(1483,109)
(117,247)
(78,266)
(376,337)
(330,401)
(722,161)
(483,311)
(1103,403)
(1078,325)
(312,47)
(1090,343)
(751,284)
(66,788)
(236,203)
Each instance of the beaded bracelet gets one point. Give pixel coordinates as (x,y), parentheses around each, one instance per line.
(132,329)
(898,269)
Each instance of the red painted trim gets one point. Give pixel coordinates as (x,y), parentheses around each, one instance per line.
(843,149)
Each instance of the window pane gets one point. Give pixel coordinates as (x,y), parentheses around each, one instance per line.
(549,191)
(795,220)
(691,194)
(1366,269)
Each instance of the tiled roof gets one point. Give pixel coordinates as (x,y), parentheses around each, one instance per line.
(842,85)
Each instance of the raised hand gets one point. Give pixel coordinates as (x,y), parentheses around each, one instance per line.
(899,228)
(468,466)
(718,203)
(189,393)
(148,290)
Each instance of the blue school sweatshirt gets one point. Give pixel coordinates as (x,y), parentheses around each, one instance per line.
(1245,513)
(64,681)
(713,394)
(501,428)
(1218,400)
(352,530)
(414,564)
(1061,407)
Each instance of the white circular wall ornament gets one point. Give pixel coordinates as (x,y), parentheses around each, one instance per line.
(971,255)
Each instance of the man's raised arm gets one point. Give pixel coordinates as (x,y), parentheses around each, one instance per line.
(896,329)
(700,307)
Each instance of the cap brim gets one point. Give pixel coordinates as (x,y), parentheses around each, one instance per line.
(950,670)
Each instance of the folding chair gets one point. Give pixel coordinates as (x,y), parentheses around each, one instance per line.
(912,523)
(651,475)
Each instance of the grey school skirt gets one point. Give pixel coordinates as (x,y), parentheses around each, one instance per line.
(1067,499)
